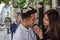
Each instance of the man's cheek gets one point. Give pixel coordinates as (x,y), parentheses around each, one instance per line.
(33,20)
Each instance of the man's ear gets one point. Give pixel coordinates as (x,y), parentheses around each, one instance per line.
(32,15)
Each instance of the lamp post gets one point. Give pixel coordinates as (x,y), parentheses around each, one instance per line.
(40,16)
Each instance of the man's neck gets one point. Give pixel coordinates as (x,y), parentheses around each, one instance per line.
(25,25)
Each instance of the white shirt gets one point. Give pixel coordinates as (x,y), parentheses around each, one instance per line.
(24,34)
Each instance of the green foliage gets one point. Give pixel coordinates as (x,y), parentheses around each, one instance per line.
(19,3)
(0,1)
(6,1)
(8,20)
(47,2)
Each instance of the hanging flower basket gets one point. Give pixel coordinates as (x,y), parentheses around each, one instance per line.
(18,4)
(8,20)
(47,2)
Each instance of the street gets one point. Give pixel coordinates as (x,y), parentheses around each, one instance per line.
(4,35)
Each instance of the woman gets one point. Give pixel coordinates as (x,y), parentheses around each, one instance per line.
(51,22)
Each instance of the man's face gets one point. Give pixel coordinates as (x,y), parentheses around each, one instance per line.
(31,20)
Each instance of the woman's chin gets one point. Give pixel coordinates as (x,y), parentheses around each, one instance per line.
(45,24)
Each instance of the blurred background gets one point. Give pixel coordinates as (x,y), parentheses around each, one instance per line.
(10,11)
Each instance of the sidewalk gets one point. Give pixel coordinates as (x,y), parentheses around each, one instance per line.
(4,35)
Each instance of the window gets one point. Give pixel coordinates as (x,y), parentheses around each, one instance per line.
(58,6)
(58,2)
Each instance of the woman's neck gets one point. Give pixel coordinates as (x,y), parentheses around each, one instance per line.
(47,30)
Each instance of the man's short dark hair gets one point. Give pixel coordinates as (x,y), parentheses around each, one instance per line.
(28,13)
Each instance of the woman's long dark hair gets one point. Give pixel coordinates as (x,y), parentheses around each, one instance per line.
(54,21)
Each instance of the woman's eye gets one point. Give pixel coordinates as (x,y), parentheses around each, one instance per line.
(47,19)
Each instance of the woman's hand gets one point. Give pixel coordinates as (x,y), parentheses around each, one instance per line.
(38,31)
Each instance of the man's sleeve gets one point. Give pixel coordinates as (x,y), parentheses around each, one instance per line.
(35,37)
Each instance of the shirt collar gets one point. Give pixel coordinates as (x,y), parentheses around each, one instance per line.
(23,28)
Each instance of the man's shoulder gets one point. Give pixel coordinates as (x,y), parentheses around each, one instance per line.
(17,34)
(31,30)
(19,28)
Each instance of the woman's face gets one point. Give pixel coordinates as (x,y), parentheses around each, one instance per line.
(45,20)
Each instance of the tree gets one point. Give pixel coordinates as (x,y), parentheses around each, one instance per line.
(0,1)
(8,20)
(6,1)
(47,5)
(19,3)
(47,2)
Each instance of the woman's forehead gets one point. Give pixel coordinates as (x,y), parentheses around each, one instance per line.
(46,16)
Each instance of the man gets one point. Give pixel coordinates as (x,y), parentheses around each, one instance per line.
(13,28)
(25,31)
